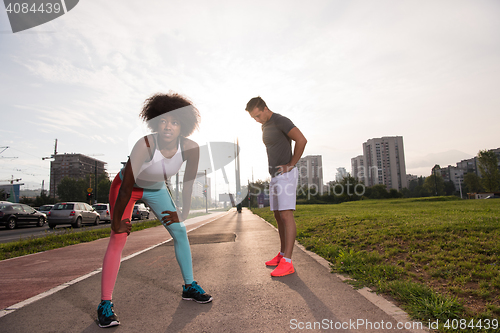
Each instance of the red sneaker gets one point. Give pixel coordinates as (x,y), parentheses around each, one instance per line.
(284,268)
(275,261)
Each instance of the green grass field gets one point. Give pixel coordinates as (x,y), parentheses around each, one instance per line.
(439,257)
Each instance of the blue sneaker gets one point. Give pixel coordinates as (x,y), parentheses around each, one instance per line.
(195,293)
(107,317)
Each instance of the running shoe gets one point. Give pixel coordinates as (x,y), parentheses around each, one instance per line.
(107,317)
(195,293)
(275,261)
(284,268)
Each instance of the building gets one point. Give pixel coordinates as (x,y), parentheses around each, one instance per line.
(75,166)
(385,162)
(358,168)
(457,174)
(198,189)
(454,175)
(471,164)
(311,172)
(341,174)
(10,192)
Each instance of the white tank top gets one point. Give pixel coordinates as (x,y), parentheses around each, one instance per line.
(159,168)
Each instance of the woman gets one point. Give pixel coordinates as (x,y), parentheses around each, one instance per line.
(154,158)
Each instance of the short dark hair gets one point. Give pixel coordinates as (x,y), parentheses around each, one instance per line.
(159,104)
(256,102)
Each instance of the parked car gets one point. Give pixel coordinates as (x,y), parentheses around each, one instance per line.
(140,212)
(74,213)
(45,209)
(14,214)
(103,210)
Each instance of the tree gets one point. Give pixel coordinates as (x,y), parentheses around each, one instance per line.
(378,191)
(43,199)
(434,184)
(255,189)
(415,189)
(488,166)
(471,180)
(70,189)
(103,189)
(393,193)
(449,188)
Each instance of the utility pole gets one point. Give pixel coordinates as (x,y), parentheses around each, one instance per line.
(95,183)
(435,181)
(206,193)
(460,187)
(54,175)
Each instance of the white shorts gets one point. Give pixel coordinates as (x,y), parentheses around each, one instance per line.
(283,191)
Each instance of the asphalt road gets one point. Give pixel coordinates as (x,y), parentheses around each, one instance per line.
(27,231)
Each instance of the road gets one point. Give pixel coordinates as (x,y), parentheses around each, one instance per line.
(24,232)
(27,231)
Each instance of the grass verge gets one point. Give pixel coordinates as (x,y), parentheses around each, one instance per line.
(438,257)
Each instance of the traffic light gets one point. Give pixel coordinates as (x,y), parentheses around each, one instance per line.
(205,193)
(89,196)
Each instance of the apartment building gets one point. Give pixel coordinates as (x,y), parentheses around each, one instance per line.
(454,175)
(358,168)
(385,162)
(341,174)
(471,164)
(74,166)
(311,172)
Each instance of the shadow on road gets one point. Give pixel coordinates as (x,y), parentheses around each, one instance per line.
(186,309)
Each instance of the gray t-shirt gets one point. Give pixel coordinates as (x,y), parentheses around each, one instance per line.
(278,144)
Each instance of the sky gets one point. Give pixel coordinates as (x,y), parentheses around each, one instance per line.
(342,71)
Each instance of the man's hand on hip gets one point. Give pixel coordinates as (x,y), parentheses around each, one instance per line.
(285,168)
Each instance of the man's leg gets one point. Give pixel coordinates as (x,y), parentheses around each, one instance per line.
(289,232)
(281,230)
(273,203)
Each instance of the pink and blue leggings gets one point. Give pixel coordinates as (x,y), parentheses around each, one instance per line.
(159,201)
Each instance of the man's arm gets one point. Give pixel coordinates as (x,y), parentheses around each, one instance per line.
(300,144)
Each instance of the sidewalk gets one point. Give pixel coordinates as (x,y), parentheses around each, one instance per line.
(228,259)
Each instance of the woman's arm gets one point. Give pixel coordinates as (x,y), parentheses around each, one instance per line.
(118,225)
(192,154)
(140,153)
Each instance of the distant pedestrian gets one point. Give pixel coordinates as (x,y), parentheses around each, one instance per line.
(278,132)
(154,159)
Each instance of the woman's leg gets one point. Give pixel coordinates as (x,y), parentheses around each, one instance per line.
(160,201)
(113,256)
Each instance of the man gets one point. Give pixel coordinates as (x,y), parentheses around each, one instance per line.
(277,134)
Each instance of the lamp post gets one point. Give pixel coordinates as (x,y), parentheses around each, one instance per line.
(53,157)
(206,193)
(460,187)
